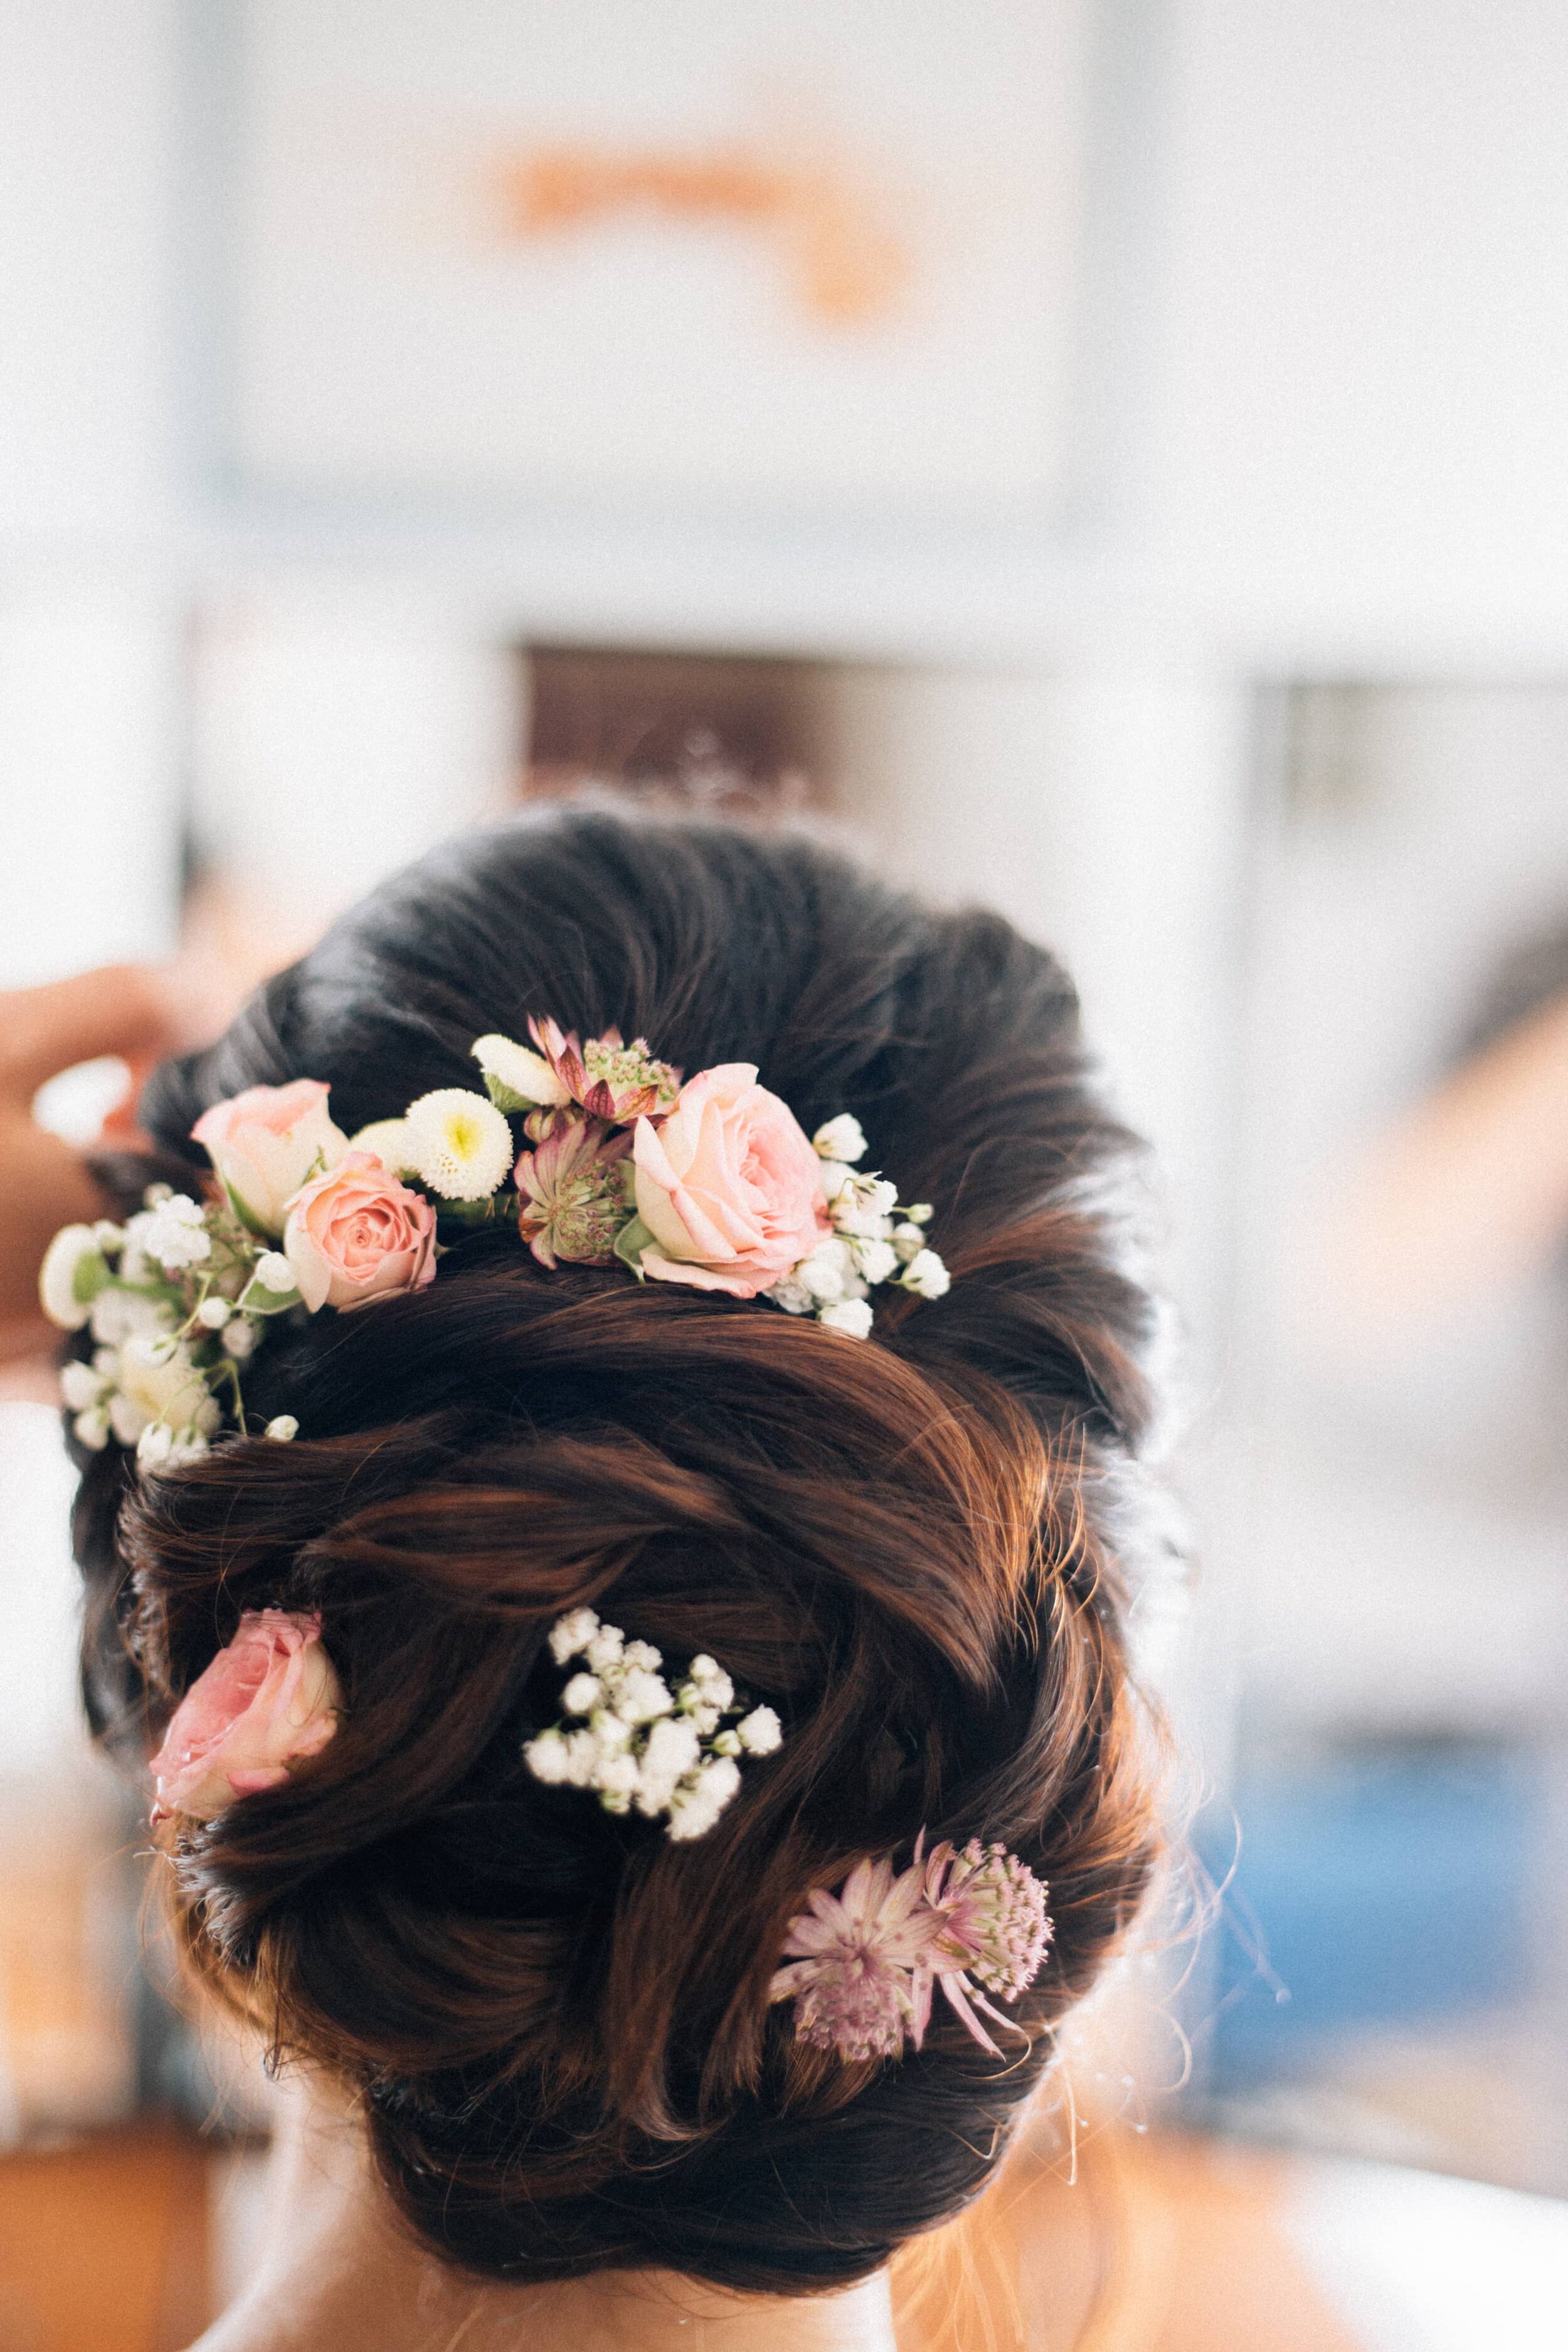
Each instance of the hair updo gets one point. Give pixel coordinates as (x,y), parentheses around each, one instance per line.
(916,1549)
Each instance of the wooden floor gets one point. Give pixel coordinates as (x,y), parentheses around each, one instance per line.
(1157,2246)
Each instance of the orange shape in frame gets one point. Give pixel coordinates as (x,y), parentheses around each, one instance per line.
(844,267)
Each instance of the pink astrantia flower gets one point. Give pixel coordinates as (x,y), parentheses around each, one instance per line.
(267,1141)
(574,1193)
(610,1079)
(728,1186)
(860,1966)
(857,1963)
(267,1700)
(357,1233)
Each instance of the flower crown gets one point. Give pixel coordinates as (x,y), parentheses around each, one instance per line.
(712,1183)
(859,1965)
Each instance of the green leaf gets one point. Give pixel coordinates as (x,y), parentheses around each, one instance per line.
(506,1098)
(630,1242)
(89,1274)
(257,1300)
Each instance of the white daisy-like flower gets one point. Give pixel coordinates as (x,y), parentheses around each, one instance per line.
(843,1138)
(571,1633)
(849,1316)
(175,1235)
(458,1144)
(71,1278)
(927,1275)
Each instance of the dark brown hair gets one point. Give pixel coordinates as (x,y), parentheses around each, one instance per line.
(916,1549)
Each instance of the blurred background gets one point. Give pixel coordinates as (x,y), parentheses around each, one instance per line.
(1106,458)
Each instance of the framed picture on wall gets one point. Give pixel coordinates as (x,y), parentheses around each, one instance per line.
(721,254)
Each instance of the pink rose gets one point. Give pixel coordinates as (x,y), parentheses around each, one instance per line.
(728,1185)
(356,1233)
(267,1141)
(267,1701)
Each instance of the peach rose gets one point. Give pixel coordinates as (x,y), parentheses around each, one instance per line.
(267,1141)
(356,1233)
(728,1185)
(268,1700)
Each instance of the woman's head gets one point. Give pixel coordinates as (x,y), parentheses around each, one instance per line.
(913,1548)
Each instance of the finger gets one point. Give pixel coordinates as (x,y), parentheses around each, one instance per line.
(119,1009)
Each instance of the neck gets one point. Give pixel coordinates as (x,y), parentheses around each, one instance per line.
(338,2273)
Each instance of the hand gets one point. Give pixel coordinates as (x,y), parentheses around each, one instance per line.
(132,1009)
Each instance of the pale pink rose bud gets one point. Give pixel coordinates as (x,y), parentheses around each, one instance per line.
(268,1700)
(728,1185)
(357,1233)
(266,1143)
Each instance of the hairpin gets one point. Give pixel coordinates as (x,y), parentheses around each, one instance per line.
(636,1743)
(860,1964)
(712,1183)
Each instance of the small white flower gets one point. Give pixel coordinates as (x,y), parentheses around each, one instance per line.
(92,1429)
(547,1758)
(927,1275)
(617,1779)
(843,1138)
(710,1685)
(671,1751)
(81,1387)
(523,1075)
(175,1234)
(126,1420)
(189,1445)
(582,1695)
(613,1734)
(239,1337)
(792,1295)
(156,1445)
(119,1316)
(109,1237)
(908,1241)
(760,1732)
(581,1758)
(71,1278)
(605,1649)
(275,1274)
(282,1429)
(921,1214)
(643,1696)
(836,1174)
(728,1743)
(826,1270)
(156,1194)
(876,1260)
(642,1654)
(213,1313)
(863,1206)
(460,1143)
(851,1317)
(571,1633)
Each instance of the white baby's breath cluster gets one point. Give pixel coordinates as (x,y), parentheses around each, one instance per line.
(639,1745)
(176,1298)
(873,1241)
